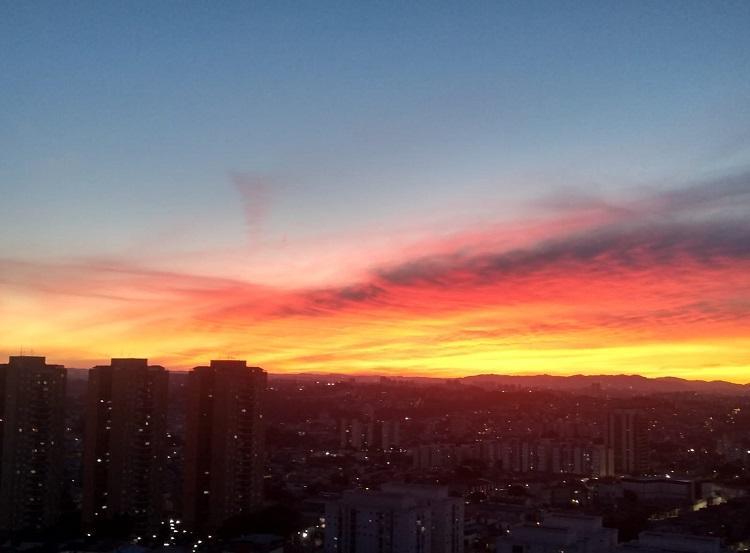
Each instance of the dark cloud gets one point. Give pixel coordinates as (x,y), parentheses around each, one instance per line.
(574,200)
(319,302)
(357,293)
(728,190)
(657,229)
(616,248)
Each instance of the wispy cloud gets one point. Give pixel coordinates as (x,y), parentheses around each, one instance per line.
(255,195)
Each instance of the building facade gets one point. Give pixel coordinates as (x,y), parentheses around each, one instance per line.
(446,514)
(398,519)
(626,436)
(31,437)
(125,443)
(224,447)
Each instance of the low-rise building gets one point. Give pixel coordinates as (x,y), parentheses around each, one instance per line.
(568,532)
(663,542)
(398,519)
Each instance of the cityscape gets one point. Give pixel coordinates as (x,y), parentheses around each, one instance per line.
(131,457)
(329,276)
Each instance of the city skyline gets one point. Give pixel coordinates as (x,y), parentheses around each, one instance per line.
(398,190)
(136,456)
(383,277)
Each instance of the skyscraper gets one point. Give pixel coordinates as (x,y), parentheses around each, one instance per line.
(224,446)
(626,436)
(32,394)
(124,452)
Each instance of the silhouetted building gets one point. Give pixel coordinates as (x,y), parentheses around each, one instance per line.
(446,514)
(356,434)
(224,448)
(603,461)
(125,443)
(389,434)
(32,432)
(626,436)
(399,519)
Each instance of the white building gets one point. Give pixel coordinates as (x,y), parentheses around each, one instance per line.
(571,533)
(399,519)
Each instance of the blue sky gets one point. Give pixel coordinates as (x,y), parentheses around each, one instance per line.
(122,124)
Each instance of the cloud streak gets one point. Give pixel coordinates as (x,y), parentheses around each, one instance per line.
(255,195)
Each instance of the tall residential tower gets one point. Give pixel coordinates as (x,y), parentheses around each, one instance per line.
(124,453)
(224,446)
(32,426)
(626,436)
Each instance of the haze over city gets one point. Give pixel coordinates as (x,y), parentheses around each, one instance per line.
(401,189)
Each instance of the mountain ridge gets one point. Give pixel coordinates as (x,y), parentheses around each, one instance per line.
(633,383)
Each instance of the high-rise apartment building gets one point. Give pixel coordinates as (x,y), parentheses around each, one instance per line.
(369,434)
(32,404)
(399,519)
(356,434)
(224,446)
(125,443)
(626,436)
(602,461)
(390,434)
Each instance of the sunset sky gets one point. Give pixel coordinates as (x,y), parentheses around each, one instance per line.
(436,189)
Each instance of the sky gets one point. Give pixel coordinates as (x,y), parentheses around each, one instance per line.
(414,188)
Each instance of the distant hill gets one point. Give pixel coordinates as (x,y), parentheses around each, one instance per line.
(617,384)
(621,383)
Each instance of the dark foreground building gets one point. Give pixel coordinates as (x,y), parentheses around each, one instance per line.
(32,404)
(224,447)
(125,443)
(626,435)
